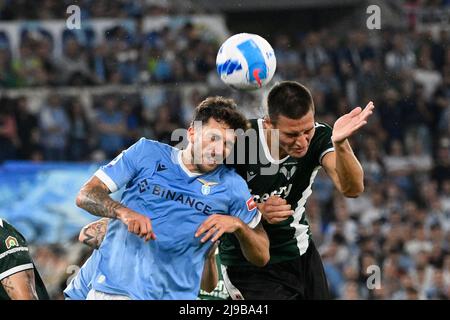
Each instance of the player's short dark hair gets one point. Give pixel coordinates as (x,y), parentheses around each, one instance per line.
(222,110)
(290,99)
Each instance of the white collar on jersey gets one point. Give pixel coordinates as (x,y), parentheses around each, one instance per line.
(184,168)
(262,137)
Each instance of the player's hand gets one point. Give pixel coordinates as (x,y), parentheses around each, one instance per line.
(137,223)
(216,225)
(275,209)
(349,123)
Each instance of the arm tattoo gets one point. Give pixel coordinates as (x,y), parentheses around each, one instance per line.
(95,233)
(96,200)
(8,286)
(17,289)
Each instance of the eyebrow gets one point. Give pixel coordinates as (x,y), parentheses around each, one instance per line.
(298,132)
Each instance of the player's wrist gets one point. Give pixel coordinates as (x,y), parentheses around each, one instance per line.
(122,213)
(239,226)
(338,143)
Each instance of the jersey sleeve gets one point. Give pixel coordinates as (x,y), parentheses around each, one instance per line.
(14,255)
(125,166)
(323,144)
(242,204)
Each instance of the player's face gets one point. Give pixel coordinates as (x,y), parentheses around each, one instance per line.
(294,134)
(214,142)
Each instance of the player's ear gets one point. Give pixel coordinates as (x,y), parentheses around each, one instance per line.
(268,124)
(190,134)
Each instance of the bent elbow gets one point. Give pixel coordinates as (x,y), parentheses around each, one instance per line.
(79,199)
(81,236)
(262,260)
(354,193)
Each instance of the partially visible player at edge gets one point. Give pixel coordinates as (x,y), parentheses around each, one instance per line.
(18,275)
(295,270)
(178,203)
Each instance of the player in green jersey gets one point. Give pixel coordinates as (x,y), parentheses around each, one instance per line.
(280,164)
(18,275)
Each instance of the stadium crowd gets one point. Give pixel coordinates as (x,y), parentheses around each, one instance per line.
(401,224)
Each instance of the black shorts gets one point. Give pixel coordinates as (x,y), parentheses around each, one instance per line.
(302,278)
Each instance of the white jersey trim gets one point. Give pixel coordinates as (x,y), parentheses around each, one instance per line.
(98,295)
(112,186)
(234,292)
(15,270)
(256,219)
(262,138)
(185,169)
(301,231)
(324,153)
(11,251)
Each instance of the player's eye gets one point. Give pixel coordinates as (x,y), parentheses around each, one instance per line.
(291,135)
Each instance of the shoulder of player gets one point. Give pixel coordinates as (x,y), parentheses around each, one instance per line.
(150,147)
(323,130)
(10,237)
(231,178)
(323,127)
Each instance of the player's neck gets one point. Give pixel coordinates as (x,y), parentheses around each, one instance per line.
(188,160)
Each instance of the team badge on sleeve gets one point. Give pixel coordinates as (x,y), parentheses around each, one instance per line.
(11,242)
(251,204)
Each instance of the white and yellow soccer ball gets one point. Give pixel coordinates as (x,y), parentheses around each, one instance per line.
(246,61)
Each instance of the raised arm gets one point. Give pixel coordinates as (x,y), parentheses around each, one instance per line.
(94,198)
(254,243)
(93,234)
(20,285)
(342,165)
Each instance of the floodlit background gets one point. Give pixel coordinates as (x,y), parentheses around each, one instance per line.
(72,99)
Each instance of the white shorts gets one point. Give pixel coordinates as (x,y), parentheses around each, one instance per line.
(97,295)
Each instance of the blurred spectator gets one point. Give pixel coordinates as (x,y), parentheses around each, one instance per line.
(80,132)
(73,65)
(111,125)
(28,130)
(425,74)
(313,54)
(9,138)
(132,133)
(400,58)
(7,75)
(437,290)
(54,127)
(165,125)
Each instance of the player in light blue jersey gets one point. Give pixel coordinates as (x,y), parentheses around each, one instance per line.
(183,205)
(92,235)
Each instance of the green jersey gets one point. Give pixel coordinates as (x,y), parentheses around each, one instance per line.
(14,257)
(290,178)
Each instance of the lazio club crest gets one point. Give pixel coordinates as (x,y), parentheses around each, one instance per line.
(206,186)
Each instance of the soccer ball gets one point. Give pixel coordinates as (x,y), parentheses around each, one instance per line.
(246,61)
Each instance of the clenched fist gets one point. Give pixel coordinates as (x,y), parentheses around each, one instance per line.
(275,209)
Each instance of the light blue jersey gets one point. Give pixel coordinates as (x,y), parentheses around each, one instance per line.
(158,185)
(81,284)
